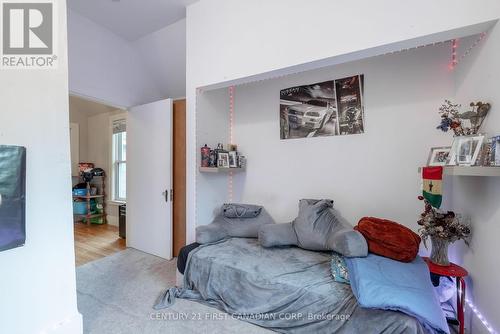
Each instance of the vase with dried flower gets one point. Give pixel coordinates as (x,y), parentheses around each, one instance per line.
(462,123)
(442,228)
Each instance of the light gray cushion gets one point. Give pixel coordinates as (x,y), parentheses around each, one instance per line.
(273,235)
(348,242)
(316,228)
(223,227)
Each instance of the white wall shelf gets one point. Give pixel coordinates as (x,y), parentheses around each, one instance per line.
(469,171)
(220,170)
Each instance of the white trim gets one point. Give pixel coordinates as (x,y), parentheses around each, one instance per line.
(74,147)
(112,220)
(117,203)
(111,177)
(93,99)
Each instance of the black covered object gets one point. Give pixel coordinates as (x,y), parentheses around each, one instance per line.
(183,256)
(12,196)
(122,221)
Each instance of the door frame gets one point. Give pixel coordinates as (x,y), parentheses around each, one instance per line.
(179,175)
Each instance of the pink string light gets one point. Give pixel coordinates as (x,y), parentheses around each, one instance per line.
(231,126)
(454,46)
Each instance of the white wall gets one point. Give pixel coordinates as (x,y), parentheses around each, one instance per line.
(371,174)
(212,128)
(106,67)
(81,118)
(238,41)
(37,281)
(164,54)
(230,39)
(477,80)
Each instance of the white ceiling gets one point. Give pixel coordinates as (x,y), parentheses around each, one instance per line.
(132,19)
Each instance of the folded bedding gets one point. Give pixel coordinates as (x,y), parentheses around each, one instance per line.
(381,283)
(285,289)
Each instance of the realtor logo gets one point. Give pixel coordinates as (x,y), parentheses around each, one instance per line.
(28,34)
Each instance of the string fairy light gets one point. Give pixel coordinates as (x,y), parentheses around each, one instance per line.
(231,126)
(454,46)
(481,317)
(454,60)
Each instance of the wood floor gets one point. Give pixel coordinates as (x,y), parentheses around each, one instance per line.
(93,242)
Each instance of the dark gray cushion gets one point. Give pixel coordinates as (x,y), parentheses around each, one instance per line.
(233,210)
(223,227)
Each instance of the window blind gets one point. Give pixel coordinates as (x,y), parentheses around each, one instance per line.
(119,125)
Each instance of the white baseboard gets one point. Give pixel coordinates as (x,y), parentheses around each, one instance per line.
(112,220)
(70,325)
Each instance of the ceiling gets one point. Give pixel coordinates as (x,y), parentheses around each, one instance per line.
(87,107)
(132,19)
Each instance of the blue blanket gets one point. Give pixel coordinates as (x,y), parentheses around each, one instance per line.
(382,283)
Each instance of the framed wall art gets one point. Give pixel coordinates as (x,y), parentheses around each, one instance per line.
(439,156)
(328,108)
(465,150)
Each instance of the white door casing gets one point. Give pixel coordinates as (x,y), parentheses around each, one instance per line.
(74,130)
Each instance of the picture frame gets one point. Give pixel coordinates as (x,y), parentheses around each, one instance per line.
(495,151)
(465,150)
(233,159)
(223,160)
(439,156)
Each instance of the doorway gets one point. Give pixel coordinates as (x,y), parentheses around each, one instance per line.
(99,140)
(98,154)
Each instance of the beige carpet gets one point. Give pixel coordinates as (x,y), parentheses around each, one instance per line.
(116,295)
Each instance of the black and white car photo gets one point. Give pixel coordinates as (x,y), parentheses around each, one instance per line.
(313,110)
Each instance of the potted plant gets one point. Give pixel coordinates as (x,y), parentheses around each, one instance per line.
(442,228)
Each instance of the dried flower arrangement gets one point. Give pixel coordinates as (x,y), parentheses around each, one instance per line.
(462,124)
(443,225)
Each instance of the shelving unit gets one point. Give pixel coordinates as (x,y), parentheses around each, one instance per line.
(469,171)
(220,170)
(100,196)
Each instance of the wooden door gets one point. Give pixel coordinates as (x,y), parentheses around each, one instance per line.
(179,176)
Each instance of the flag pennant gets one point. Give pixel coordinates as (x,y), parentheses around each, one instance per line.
(432,190)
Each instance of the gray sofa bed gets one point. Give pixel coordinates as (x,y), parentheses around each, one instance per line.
(285,289)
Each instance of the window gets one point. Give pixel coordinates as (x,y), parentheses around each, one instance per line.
(119,142)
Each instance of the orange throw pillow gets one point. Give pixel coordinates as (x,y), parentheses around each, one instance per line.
(389,239)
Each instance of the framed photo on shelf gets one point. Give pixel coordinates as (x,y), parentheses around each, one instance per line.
(465,150)
(439,156)
(495,151)
(223,160)
(233,159)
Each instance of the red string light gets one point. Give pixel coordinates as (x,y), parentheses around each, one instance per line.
(454,59)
